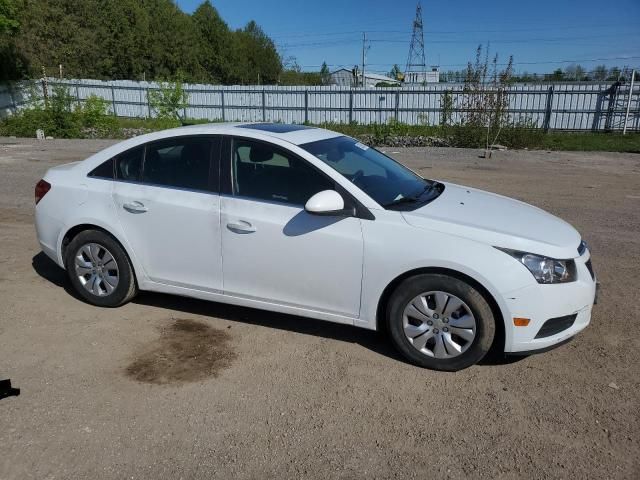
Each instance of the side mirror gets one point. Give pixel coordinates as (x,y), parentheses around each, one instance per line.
(327,202)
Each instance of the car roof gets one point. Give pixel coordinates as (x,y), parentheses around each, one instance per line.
(293,133)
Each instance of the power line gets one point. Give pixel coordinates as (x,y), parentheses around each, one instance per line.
(602,59)
(451,32)
(339,41)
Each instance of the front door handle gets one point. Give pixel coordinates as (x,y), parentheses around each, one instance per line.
(241,226)
(135,207)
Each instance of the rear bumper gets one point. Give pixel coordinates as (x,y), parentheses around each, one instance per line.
(540,303)
(48,231)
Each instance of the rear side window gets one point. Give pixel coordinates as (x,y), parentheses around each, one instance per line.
(104,170)
(129,164)
(179,162)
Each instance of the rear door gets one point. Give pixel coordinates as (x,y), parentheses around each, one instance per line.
(167,201)
(273,250)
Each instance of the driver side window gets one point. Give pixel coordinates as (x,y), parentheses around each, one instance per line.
(265,172)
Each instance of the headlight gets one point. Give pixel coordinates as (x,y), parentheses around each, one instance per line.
(544,269)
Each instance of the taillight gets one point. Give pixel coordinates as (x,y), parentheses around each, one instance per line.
(42,188)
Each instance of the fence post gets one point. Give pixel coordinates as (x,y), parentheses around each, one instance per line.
(77,96)
(14,105)
(264,107)
(222,104)
(611,107)
(548,110)
(351,105)
(626,115)
(113,100)
(184,109)
(306,106)
(141,97)
(148,104)
(397,112)
(45,91)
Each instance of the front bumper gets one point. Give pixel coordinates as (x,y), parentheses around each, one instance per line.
(539,303)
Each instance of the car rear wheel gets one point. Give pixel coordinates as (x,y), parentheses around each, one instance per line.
(99,269)
(440,322)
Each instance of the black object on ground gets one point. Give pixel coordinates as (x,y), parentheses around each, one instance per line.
(6,390)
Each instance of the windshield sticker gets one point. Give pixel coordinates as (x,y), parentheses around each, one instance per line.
(362,146)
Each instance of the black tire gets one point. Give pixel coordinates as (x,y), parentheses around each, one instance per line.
(126,287)
(411,288)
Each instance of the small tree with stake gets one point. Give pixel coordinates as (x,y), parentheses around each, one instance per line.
(169,100)
(486,98)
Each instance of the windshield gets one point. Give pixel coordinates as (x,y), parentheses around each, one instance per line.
(382,178)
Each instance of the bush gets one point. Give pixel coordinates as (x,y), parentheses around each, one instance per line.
(523,135)
(59,117)
(26,122)
(95,116)
(392,128)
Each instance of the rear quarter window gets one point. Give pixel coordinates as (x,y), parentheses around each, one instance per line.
(129,164)
(104,170)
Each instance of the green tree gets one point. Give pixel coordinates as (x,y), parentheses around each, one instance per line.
(557,75)
(325,74)
(575,72)
(8,17)
(614,74)
(263,62)
(395,72)
(215,43)
(170,100)
(600,73)
(131,39)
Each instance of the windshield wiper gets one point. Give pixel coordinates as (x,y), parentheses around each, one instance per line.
(399,201)
(410,198)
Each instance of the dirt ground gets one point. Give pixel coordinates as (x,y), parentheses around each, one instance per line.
(168,387)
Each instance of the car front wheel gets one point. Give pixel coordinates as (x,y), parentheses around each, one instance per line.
(440,322)
(99,269)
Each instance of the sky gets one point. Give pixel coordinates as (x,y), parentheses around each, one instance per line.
(541,35)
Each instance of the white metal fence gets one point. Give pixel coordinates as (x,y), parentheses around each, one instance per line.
(565,106)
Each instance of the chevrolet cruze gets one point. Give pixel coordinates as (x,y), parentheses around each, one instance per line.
(309,222)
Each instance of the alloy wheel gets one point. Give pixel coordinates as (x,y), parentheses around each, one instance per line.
(96,269)
(439,324)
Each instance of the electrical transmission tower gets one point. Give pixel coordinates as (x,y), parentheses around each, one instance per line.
(416,62)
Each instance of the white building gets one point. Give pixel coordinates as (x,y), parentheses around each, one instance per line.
(420,78)
(345,78)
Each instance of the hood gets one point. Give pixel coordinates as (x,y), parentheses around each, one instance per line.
(498,221)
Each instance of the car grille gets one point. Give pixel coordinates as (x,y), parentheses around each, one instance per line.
(590,268)
(556,325)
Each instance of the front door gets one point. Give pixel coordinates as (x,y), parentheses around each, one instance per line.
(274,250)
(169,209)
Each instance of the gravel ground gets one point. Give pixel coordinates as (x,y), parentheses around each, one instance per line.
(108,394)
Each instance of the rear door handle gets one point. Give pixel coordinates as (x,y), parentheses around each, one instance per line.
(241,226)
(135,207)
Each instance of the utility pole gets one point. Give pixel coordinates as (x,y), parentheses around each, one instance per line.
(364,50)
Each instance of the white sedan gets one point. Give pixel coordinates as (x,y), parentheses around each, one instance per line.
(309,222)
